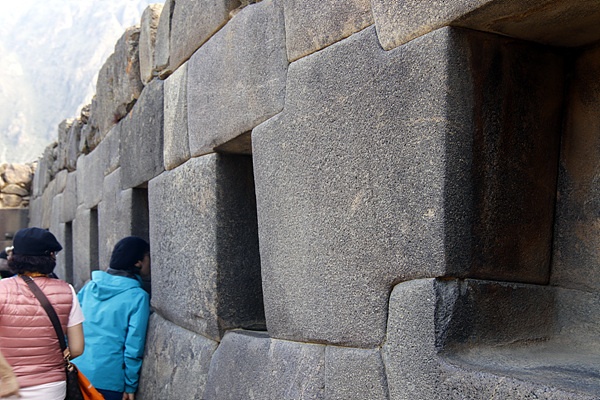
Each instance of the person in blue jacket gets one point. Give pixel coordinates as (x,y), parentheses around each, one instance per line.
(116,310)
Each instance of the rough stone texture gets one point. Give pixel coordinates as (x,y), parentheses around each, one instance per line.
(85,243)
(20,174)
(576,259)
(176,141)
(35,212)
(141,148)
(110,147)
(90,172)
(251,365)
(61,181)
(193,22)
(13,188)
(313,25)
(161,46)
(176,362)
(209,278)
(47,198)
(69,209)
(242,68)
(148,27)
(10,200)
(42,176)
(119,83)
(354,374)
(456,182)
(63,132)
(72,146)
(58,229)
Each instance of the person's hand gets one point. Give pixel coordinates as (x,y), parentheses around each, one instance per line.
(9,387)
(128,396)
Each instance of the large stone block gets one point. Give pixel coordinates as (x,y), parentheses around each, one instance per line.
(576,258)
(161,46)
(141,148)
(47,208)
(173,355)
(61,180)
(90,177)
(148,27)
(193,22)
(451,190)
(242,68)
(63,131)
(85,245)
(110,147)
(313,25)
(69,203)
(118,84)
(36,212)
(206,267)
(72,146)
(176,141)
(251,364)
(42,174)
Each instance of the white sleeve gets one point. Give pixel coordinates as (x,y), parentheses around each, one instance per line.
(76,315)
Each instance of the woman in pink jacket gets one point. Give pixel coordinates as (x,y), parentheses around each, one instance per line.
(28,340)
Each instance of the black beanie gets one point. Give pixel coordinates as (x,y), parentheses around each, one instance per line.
(35,242)
(127,252)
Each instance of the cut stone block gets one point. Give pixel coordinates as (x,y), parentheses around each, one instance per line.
(69,208)
(193,22)
(455,191)
(110,147)
(90,172)
(61,180)
(173,355)
(72,147)
(576,258)
(42,175)
(242,68)
(35,212)
(203,231)
(141,148)
(161,46)
(119,83)
(148,27)
(63,131)
(85,245)
(313,25)
(47,199)
(176,147)
(247,364)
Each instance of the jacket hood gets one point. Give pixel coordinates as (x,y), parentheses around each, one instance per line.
(104,286)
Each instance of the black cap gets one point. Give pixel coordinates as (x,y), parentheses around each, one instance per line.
(35,242)
(127,252)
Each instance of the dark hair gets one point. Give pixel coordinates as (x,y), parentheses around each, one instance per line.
(20,264)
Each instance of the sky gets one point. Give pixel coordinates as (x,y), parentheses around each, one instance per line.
(51,52)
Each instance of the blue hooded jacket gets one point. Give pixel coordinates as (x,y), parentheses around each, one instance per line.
(116,311)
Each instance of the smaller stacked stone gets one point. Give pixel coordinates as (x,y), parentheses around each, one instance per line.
(15,184)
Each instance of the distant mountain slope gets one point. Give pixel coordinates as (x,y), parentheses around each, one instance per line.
(51,53)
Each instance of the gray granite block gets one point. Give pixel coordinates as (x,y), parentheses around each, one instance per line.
(63,131)
(252,365)
(176,362)
(119,83)
(148,27)
(193,22)
(161,46)
(85,245)
(90,177)
(354,374)
(111,148)
(69,203)
(35,212)
(452,186)
(61,180)
(42,174)
(47,208)
(72,146)
(203,231)
(176,141)
(237,79)
(313,25)
(576,254)
(141,147)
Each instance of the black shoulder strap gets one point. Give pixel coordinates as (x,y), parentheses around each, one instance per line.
(49,310)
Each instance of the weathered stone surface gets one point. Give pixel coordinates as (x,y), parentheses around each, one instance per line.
(111,148)
(193,22)
(313,25)
(12,188)
(72,146)
(61,180)
(58,229)
(18,174)
(69,209)
(90,172)
(35,212)
(173,355)
(576,258)
(249,364)
(10,200)
(176,141)
(455,191)
(161,46)
(141,149)
(119,83)
(63,131)
(47,198)
(242,68)
(354,374)
(85,245)
(209,277)
(148,27)
(42,174)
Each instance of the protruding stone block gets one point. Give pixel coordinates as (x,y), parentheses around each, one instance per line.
(61,180)
(193,22)
(242,68)
(63,131)
(148,27)
(173,355)
(69,209)
(209,277)
(141,154)
(161,46)
(90,177)
(313,25)
(72,146)
(85,245)
(47,199)
(111,148)
(36,212)
(119,83)
(247,364)
(176,147)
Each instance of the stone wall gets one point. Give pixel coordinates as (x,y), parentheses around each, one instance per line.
(348,200)
(15,185)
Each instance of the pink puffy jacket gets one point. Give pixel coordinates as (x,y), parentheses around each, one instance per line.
(27,339)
